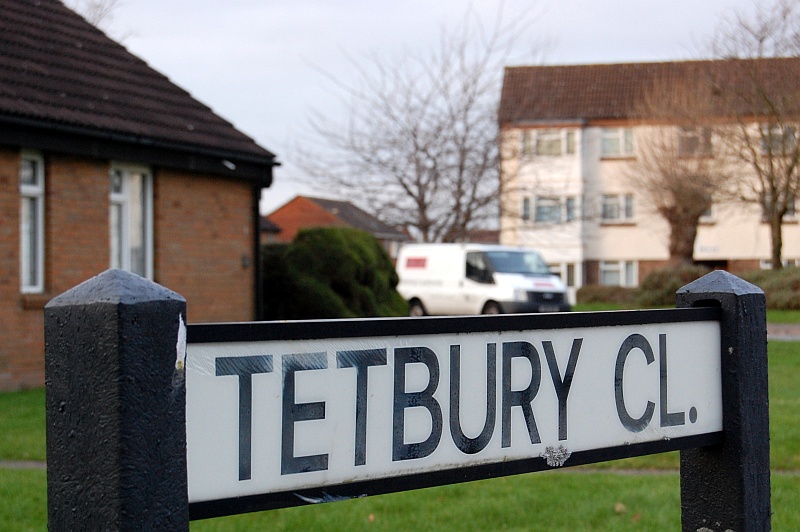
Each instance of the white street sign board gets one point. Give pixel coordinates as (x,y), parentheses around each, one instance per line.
(284,415)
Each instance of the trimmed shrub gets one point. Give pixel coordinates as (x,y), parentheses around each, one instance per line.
(595,293)
(781,287)
(332,272)
(658,287)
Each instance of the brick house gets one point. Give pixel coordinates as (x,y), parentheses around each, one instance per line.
(303,211)
(569,137)
(106,163)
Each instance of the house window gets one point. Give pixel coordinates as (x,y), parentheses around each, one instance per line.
(618,273)
(617,207)
(551,209)
(131,220)
(694,141)
(31,223)
(617,142)
(548,142)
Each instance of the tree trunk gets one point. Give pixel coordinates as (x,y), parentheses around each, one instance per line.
(681,240)
(776,230)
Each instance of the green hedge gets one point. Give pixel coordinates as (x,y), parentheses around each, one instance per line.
(782,287)
(332,272)
(595,293)
(657,289)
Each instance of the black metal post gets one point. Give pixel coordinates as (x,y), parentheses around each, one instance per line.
(727,487)
(116,406)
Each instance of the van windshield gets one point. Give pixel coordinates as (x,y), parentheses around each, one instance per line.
(524,262)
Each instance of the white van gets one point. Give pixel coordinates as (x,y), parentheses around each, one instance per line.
(455,279)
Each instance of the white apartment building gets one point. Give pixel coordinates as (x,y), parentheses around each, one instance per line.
(568,144)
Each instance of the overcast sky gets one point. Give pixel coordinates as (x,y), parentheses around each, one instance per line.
(257,62)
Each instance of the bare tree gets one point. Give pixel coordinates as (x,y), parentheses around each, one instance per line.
(676,171)
(760,88)
(99,13)
(419,146)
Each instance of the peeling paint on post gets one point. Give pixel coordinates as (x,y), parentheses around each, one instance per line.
(726,487)
(116,408)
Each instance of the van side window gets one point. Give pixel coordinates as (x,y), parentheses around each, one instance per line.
(478,268)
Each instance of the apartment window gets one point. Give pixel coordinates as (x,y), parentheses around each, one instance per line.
(570,208)
(527,143)
(787,263)
(708,216)
(617,142)
(131,220)
(526,208)
(694,141)
(550,209)
(618,273)
(778,140)
(791,211)
(617,207)
(31,223)
(565,271)
(548,142)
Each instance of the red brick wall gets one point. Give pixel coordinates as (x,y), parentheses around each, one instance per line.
(203,249)
(204,245)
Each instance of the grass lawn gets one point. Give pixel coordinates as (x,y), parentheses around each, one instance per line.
(773,316)
(587,498)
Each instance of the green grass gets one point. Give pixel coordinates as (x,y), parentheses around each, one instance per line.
(783,316)
(587,498)
(22,428)
(539,501)
(773,316)
(24,496)
(784,405)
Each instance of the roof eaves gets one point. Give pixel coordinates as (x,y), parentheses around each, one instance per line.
(79,140)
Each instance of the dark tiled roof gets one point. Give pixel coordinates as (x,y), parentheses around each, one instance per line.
(601,92)
(57,69)
(358,219)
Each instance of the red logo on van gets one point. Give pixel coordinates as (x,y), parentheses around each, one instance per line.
(416,262)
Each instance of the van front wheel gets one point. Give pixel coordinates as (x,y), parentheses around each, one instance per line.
(415,308)
(491,308)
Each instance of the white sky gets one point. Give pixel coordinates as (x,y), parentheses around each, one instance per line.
(257,62)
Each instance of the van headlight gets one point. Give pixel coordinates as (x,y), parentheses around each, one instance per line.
(520,294)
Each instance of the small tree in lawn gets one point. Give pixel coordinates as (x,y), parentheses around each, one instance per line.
(761,92)
(676,171)
(419,145)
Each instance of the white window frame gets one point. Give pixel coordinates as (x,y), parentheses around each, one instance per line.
(710,216)
(627,272)
(120,233)
(780,141)
(533,141)
(526,209)
(622,138)
(567,209)
(791,213)
(566,271)
(31,244)
(617,208)
(695,141)
(545,207)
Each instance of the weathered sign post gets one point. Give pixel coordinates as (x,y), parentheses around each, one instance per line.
(284,414)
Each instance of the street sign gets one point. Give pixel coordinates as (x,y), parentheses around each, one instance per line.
(281,414)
